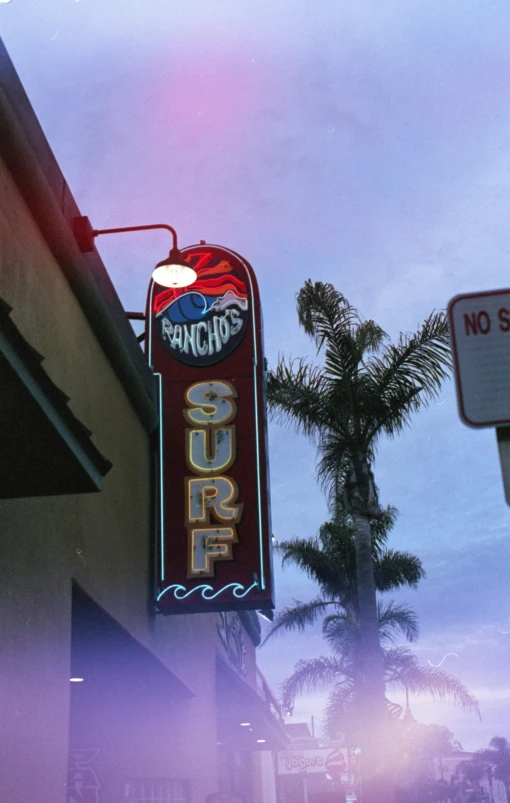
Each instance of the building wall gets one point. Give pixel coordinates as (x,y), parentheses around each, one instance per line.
(143,723)
(101,540)
(265,777)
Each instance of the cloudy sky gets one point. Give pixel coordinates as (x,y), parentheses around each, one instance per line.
(366,144)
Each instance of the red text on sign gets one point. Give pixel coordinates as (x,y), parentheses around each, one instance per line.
(480,322)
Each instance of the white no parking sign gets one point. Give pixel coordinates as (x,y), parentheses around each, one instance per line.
(480,332)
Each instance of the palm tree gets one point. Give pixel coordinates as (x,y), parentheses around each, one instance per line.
(330,560)
(338,673)
(367,387)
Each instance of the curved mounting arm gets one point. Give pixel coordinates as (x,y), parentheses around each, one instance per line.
(85,234)
(97,232)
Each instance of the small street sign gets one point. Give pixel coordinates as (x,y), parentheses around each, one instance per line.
(480,333)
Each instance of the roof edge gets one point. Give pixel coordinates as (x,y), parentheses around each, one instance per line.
(28,156)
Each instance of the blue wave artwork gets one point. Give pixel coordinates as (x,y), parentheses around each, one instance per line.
(190,307)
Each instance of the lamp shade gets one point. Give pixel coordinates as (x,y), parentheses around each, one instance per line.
(173,271)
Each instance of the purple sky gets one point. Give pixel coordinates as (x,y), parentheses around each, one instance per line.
(361,143)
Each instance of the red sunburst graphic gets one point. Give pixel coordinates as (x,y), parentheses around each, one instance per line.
(214,280)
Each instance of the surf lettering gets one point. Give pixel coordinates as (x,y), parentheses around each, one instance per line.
(212,510)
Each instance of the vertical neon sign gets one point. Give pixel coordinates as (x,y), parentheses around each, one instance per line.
(205,345)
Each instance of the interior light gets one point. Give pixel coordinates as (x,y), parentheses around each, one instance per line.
(76,680)
(261,741)
(245,724)
(173,271)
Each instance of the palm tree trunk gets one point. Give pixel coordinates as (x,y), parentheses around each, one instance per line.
(371,654)
(371,698)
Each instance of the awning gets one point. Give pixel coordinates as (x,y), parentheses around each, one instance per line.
(245,721)
(44,449)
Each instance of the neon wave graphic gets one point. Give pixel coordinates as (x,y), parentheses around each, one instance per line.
(211,281)
(238,590)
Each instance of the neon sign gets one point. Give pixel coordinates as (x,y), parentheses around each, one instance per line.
(205,346)
(202,324)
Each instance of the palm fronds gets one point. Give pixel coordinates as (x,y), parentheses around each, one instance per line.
(313,673)
(396,620)
(367,385)
(324,313)
(406,375)
(341,632)
(298,616)
(339,715)
(310,556)
(395,569)
(294,395)
(404,671)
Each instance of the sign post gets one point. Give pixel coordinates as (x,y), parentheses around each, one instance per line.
(480,332)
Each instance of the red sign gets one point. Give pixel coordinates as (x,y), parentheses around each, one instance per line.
(205,345)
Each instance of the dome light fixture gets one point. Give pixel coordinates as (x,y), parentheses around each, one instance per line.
(173,271)
(170,272)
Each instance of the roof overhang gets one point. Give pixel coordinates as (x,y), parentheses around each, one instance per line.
(44,449)
(28,156)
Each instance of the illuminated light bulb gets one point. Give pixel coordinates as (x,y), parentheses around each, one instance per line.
(71,680)
(174,275)
(173,271)
(245,724)
(261,741)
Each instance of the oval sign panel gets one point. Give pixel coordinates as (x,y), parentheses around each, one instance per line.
(202,324)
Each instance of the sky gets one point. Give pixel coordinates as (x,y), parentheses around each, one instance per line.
(363,144)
